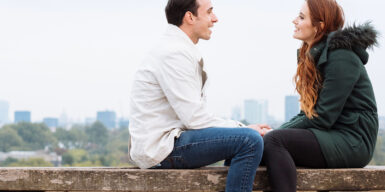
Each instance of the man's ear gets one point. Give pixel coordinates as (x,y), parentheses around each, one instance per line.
(189,18)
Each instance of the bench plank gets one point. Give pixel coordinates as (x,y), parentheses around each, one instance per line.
(203,179)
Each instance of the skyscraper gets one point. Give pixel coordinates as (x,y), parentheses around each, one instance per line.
(256,111)
(63,121)
(251,107)
(108,118)
(262,111)
(291,106)
(51,122)
(123,123)
(4,111)
(236,114)
(381,122)
(22,116)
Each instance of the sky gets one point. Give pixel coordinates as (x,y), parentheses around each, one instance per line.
(79,56)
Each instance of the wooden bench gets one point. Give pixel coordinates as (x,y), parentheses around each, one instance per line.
(204,179)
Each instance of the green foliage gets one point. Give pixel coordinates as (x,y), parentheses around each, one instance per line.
(73,138)
(379,151)
(33,162)
(8,161)
(35,136)
(67,159)
(97,134)
(74,156)
(80,135)
(81,158)
(90,146)
(65,137)
(9,139)
(88,164)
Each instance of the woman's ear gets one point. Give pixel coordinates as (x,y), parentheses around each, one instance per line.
(322,25)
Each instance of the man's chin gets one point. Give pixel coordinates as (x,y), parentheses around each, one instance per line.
(208,37)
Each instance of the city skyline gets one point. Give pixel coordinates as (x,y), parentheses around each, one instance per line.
(260,113)
(76,57)
(108,118)
(291,106)
(251,107)
(4,114)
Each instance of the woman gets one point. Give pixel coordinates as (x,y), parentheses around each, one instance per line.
(338,123)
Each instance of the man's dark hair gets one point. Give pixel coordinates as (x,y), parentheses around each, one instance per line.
(176,9)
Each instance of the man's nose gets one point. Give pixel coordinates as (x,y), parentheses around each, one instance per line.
(214,18)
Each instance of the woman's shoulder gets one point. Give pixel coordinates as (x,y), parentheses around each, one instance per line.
(342,55)
(342,60)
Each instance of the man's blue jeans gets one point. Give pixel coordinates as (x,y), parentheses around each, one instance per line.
(242,148)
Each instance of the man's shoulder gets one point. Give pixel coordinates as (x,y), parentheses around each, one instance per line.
(171,46)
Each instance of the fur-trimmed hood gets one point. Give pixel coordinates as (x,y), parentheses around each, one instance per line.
(364,36)
(356,38)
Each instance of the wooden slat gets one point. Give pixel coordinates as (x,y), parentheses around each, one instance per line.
(204,179)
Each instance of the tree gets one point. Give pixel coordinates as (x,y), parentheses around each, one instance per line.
(35,136)
(8,161)
(75,156)
(67,159)
(80,135)
(9,139)
(33,162)
(379,151)
(97,135)
(67,138)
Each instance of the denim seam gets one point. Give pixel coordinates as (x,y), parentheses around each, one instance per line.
(252,147)
(211,140)
(247,171)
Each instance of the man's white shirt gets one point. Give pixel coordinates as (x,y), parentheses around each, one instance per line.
(167,98)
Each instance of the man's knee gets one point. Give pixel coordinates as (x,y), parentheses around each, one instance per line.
(253,138)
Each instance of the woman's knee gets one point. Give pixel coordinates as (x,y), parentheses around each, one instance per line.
(273,139)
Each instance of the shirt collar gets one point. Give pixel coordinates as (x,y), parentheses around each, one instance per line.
(175,31)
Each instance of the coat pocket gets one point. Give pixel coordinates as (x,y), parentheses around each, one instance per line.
(356,142)
(348,118)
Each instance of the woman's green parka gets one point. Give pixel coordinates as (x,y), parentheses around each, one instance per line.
(347,122)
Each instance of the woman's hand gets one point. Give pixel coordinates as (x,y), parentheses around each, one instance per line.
(261,128)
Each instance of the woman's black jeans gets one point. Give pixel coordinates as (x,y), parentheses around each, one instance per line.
(284,150)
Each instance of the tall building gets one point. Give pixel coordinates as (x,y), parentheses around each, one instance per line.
(4,111)
(108,118)
(256,111)
(291,106)
(236,114)
(381,122)
(262,111)
(51,122)
(250,111)
(22,116)
(63,121)
(124,123)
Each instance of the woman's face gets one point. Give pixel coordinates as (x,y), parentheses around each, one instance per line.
(304,30)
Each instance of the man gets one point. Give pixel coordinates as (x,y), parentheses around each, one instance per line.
(169,123)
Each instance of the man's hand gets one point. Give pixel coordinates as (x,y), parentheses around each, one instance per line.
(261,128)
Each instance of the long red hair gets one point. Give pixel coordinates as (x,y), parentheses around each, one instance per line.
(326,16)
